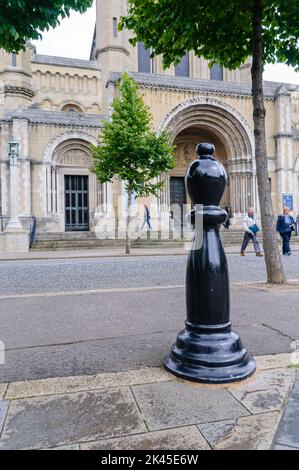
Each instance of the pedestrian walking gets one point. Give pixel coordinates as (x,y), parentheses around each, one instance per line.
(147,217)
(251,228)
(285,226)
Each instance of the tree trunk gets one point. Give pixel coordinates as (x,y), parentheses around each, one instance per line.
(128,239)
(275,271)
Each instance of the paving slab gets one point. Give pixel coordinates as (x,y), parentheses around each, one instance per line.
(185,438)
(144,375)
(245,433)
(267,392)
(280,447)
(68,447)
(61,420)
(288,430)
(3,388)
(149,409)
(57,385)
(171,404)
(274,361)
(4,405)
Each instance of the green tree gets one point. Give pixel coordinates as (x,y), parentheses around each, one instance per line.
(228,32)
(130,150)
(22,20)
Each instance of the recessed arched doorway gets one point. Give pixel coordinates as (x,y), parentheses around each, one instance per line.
(74,197)
(185,152)
(209,120)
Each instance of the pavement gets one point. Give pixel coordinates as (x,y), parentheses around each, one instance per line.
(106,252)
(84,342)
(102,252)
(150,409)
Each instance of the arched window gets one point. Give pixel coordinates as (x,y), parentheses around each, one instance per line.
(14,59)
(182,69)
(47,104)
(216,72)
(73,108)
(144,59)
(114,24)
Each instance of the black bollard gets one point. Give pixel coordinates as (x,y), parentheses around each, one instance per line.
(207,350)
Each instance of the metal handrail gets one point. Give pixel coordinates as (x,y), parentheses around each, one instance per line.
(32,231)
(28,223)
(3,222)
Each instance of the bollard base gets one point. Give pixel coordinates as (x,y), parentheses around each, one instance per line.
(209,354)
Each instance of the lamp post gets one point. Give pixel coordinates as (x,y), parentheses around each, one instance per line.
(14,224)
(207,350)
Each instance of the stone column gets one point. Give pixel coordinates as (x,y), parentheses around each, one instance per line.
(166,222)
(4,170)
(21,134)
(284,143)
(14,224)
(105,217)
(15,238)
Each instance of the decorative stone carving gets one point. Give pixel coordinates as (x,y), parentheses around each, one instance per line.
(184,152)
(74,157)
(72,135)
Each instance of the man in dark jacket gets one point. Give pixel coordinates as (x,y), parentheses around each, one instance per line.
(285,226)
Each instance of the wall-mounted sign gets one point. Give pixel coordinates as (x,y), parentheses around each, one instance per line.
(287,200)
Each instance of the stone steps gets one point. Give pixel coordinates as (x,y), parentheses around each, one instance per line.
(88,240)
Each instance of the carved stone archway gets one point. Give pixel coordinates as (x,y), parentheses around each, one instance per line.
(69,154)
(66,136)
(225,125)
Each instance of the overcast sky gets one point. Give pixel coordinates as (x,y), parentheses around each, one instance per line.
(74,36)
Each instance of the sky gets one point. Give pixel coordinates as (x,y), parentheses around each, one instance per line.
(74,36)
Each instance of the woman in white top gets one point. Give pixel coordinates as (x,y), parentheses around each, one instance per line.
(249,221)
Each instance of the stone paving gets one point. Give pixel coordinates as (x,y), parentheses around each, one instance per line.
(150,409)
(287,435)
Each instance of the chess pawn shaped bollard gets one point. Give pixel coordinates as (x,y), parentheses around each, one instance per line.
(207,350)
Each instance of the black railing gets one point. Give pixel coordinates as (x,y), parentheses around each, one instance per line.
(3,222)
(32,231)
(28,224)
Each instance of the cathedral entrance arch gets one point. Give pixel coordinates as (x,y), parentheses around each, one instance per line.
(208,120)
(73,195)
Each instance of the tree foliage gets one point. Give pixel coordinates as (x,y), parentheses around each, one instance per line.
(22,20)
(128,148)
(218,30)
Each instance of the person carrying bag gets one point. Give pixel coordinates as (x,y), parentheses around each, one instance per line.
(285,226)
(251,228)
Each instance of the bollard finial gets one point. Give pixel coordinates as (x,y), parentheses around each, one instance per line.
(205,149)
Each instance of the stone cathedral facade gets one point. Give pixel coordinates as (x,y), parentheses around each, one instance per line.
(52,107)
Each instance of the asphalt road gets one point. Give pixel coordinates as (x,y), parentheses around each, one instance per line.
(60,318)
(21,277)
